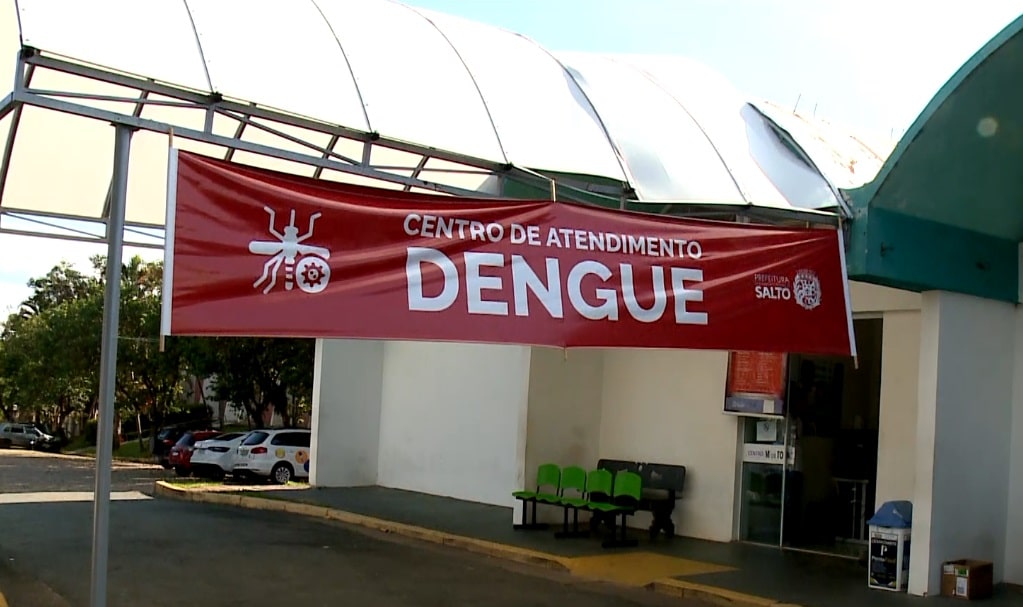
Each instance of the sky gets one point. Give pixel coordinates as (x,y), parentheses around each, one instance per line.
(869,65)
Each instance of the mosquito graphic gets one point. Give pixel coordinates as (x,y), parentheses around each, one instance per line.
(284,250)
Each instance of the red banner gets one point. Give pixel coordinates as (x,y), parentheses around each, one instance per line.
(254,252)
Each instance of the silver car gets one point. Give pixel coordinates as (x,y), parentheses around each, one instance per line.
(27,436)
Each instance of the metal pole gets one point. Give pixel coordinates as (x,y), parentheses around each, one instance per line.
(108,368)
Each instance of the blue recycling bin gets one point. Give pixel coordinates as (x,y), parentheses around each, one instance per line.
(890,535)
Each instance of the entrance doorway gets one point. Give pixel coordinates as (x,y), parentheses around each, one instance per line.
(814,490)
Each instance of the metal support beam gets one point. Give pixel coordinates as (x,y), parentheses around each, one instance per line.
(140,104)
(108,368)
(238,132)
(418,170)
(204,101)
(227,142)
(326,154)
(5,163)
(75,238)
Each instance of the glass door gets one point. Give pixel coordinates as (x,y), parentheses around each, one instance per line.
(764,466)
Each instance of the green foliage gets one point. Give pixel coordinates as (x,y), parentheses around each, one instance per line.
(260,375)
(50,351)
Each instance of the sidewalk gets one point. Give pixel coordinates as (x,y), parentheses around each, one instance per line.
(736,574)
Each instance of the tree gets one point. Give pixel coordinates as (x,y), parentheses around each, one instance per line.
(50,351)
(257,374)
(150,382)
(10,362)
(61,284)
(49,358)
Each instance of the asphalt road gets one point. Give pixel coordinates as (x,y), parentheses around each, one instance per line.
(175,553)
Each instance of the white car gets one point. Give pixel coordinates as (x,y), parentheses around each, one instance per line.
(214,457)
(280,454)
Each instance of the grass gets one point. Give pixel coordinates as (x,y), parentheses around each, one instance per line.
(236,428)
(193,483)
(186,483)
(128,451)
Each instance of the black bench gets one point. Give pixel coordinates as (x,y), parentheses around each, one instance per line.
(662,487)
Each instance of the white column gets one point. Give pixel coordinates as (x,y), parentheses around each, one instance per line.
(900,381)
(347,389)
(1014,524)
(964,416)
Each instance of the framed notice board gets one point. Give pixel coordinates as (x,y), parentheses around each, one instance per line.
(756,383)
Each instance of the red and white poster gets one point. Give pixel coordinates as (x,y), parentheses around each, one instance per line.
(252,252)
(756,383)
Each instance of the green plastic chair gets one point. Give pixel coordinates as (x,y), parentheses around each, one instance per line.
(573,478)
(627,485)
(625,496)
(599,489)
(547,476)
(574,498)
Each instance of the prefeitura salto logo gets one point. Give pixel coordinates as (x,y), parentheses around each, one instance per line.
(807,289)
(304,265)
(804,288)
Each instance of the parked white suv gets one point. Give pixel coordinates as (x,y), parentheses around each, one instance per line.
(214,457)
(280,454)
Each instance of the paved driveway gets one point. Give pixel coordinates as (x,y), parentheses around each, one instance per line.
(176,553)
(23,471)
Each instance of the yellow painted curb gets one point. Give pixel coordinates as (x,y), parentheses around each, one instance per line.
(3,601)
(668,586)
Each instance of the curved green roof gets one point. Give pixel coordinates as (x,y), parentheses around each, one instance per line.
(961,161)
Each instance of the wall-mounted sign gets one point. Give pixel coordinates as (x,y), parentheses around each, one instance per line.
(756,383)
(767,430)
(758,453)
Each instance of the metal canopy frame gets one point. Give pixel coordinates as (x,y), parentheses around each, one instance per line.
(290,130)
(245,118)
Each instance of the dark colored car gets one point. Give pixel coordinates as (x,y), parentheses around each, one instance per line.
(180,455)
(165,439)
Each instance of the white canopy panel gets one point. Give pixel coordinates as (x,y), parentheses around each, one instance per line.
(849,161)
(672,129)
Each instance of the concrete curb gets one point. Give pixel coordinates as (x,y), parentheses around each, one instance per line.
(712,594)
(667,586)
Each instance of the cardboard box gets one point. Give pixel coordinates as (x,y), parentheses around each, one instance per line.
(967,579)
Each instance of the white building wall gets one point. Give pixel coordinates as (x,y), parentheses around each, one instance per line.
(1014,524)
(451,419)
(964,420)
(565,399)
(665,406)
(896,441)
(868,298)
(474,421)
(347,389)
